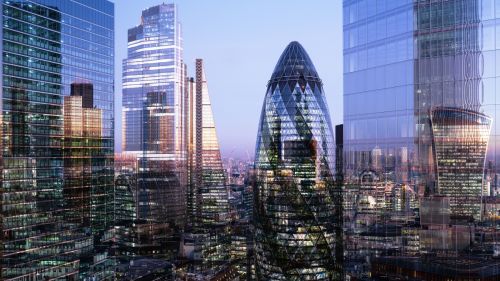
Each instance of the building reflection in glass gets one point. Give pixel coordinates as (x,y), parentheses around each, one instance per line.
(48,232)
(82,134)
(419,93)
(207,200)
(460,139)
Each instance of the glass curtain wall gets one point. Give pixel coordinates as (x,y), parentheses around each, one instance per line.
(154,118)
(294,206)
(57,164)
(419,127)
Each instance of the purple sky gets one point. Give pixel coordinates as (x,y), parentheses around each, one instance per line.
(240,42)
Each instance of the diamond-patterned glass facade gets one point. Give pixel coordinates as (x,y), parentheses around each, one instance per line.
(294,208)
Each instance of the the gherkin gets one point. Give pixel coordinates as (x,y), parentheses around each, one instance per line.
(294,205)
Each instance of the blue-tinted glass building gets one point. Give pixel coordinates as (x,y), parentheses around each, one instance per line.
(155,131)
(57,139)
(419,123)
(294,204)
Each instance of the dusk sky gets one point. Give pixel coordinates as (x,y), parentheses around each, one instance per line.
(240,42)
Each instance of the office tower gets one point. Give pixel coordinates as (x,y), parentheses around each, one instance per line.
(419,104)
(191,147)
(460,139)
(211,191)
(294,211)
(82,136)
(339,151)
(207,192)
(84,90)
(400,67)
(54,226)
(241,201)
(154,119)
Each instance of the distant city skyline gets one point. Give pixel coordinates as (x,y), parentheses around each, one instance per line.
(225,169)
(239,54)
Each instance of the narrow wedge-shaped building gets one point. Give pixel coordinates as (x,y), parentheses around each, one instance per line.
(206,242)
(294,210)
(208,198)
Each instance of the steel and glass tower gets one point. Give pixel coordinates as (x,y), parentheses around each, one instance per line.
(419,118)
(294,211)
(207,196)
(57,151)
(460,138)
(154,129)
(402,59)
(211,195)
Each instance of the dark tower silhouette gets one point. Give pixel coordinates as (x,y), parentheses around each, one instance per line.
(84,90)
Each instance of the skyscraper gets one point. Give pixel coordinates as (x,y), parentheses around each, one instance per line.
(410,61)
(211,191)
(154,130)
(207,192)
(57,171)
(460,138)
(294,212)
(419,115)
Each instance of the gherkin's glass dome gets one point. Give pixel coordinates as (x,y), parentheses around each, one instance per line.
(294,204)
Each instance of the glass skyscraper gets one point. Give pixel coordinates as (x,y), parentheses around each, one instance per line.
(154,129)
(420,119)
(207,194)
(460,138)
(57,149)
(208,205)
(294,193)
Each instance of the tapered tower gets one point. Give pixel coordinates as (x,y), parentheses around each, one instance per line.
(207,196)
(294,207)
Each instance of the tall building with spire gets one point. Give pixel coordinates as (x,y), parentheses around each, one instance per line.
(207,196)
(294,206)
(154,129)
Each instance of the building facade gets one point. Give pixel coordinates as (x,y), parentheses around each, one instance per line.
(57,154)
(207,196)
(212,205)
(412,57)
(419,118)
(294,210)
(460,138)
(154,129)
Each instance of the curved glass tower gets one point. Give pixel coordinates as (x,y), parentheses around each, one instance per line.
(294,195)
